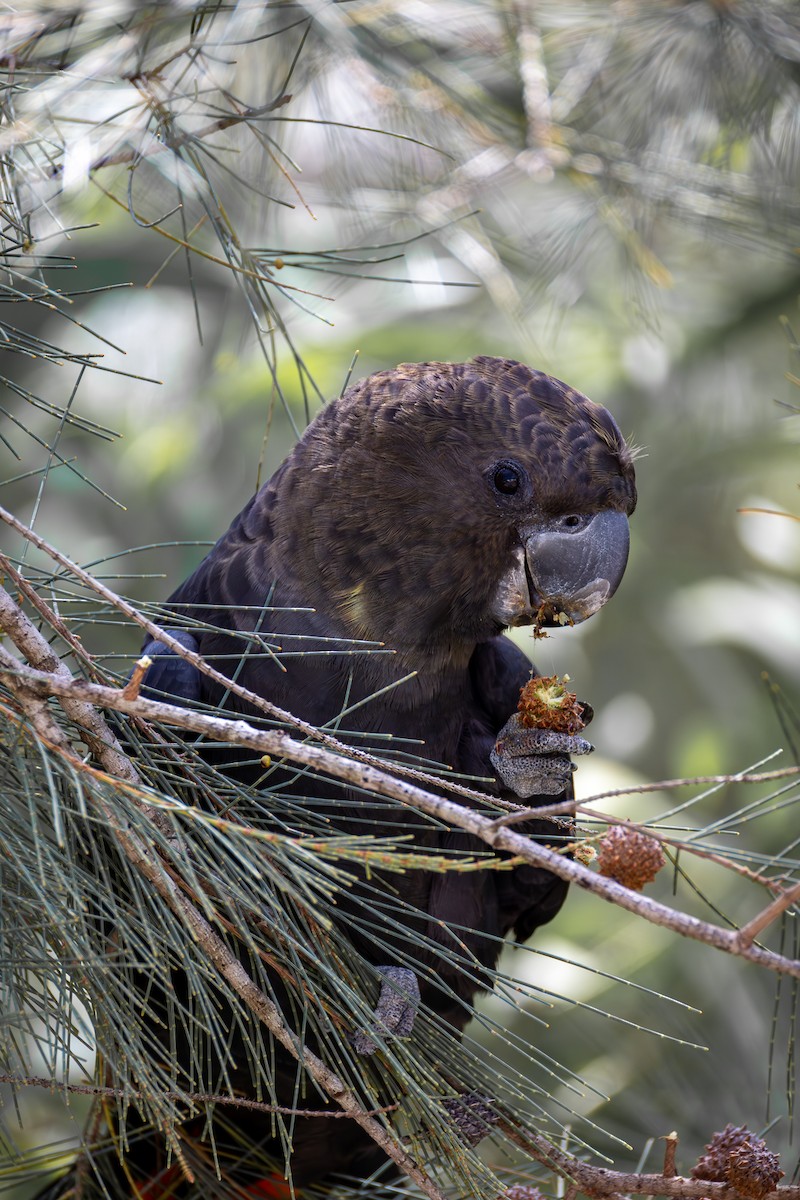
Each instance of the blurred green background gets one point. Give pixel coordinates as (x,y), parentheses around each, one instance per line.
(676,316)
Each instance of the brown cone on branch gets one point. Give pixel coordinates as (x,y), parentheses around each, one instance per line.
(737,1157)
(630,857)
(713,1165)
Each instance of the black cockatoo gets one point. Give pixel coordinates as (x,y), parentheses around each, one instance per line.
(428,508)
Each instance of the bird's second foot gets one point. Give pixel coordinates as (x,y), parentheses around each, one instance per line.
(395,1012)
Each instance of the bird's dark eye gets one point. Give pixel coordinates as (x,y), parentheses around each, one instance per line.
(507,479)
(571,521)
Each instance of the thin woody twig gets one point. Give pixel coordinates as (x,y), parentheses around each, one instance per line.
(131,689)
(747,933)
(217,1098)
(665,785)
(662,785)
(670,1150)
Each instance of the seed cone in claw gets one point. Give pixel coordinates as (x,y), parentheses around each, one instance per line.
(545,703)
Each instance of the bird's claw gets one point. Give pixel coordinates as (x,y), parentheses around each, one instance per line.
(472,1114)
(396,1010)
(535,762)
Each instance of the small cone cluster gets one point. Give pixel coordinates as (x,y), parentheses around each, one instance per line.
(737,1157)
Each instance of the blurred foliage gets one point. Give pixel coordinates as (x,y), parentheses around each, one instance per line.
(609,192)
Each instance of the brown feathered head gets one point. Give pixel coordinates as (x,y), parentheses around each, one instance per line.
(443,502)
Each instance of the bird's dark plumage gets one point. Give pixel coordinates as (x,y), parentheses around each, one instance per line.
(384,517)
(428,508)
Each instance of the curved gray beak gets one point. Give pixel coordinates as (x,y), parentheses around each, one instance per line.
(572,574)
